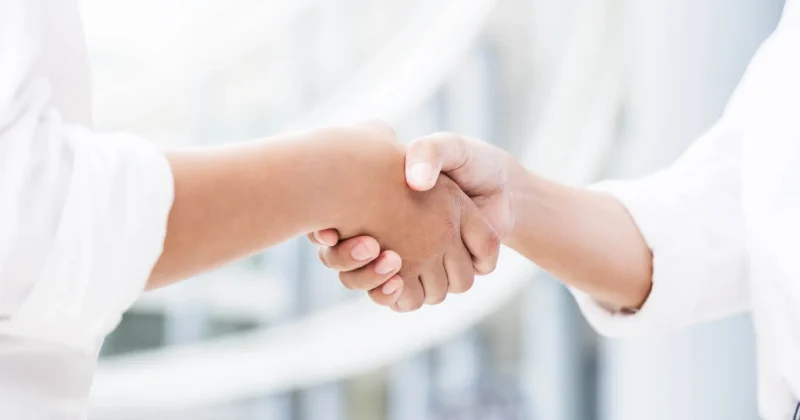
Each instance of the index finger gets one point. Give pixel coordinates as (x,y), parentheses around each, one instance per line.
(480,238)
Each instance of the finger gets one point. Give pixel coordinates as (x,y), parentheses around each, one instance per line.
(481,240)
(327,237)
(435,283)
(427,156)
(373,274)
(388,293)
(459,270)
(350,254)
(413,296)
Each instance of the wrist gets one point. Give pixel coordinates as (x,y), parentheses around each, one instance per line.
(354,166)
(334,179)
(525,191)
(305,174)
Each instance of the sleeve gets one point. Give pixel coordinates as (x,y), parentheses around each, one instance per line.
(82,215)
(690,216)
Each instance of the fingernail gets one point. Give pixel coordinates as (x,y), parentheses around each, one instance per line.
(385,266)
(390,287)
(360,252)
(318,238)
(420,173)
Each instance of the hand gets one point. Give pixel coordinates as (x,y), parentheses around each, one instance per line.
(440,233)
(482,171)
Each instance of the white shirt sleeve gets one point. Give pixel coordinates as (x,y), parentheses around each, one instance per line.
(690,216)
(82,215)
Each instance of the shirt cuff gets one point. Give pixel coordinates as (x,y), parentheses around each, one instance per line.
(675,292)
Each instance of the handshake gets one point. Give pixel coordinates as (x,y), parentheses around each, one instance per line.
(415,223)
(407,224)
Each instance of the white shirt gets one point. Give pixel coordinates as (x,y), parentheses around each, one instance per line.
(724,223)
(82,215)
(82,218)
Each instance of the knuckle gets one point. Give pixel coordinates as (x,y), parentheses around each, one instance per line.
(485,260)
(382,127)
(452,138)
(417,144)
(424,148)
(456,144)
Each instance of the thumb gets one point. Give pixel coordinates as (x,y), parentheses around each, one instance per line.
(427,156)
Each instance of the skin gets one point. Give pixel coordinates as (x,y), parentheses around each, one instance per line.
(585,238)
(236,200)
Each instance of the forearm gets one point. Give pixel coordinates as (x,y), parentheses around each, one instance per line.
(585,238)
(235,200)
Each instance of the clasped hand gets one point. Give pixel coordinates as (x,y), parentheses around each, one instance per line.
(436,234)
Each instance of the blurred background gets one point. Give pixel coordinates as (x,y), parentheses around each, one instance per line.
(577,89)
